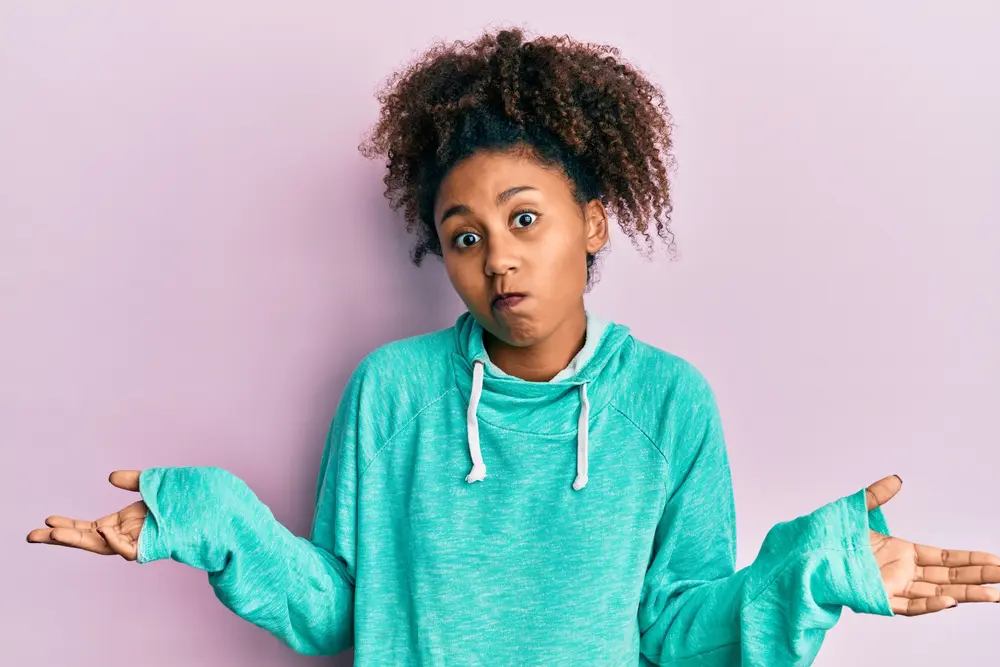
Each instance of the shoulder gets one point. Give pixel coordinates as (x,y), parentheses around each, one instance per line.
(666,396)
(408,373)
(416,356)
(667,376)
(391,385)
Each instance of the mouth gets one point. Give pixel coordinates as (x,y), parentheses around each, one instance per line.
(507,300)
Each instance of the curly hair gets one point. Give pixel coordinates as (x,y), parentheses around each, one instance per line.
(573,105)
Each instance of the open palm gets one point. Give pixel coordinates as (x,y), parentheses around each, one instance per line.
(116,533)
(921,579)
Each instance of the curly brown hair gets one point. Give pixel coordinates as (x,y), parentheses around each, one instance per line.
(574,105)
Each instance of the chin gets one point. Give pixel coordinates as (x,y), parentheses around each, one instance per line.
(520,331)
(518,339)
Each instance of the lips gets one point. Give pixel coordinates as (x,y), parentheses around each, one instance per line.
(507,300)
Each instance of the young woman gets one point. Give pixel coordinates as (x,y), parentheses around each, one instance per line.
(532,486)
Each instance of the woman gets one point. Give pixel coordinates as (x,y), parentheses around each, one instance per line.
(532,485)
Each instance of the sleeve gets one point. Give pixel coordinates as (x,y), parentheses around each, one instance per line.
(697,610)
(301,590)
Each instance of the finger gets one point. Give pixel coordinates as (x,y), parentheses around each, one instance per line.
(40,536)
(138,508)
(125,479)
(120,544)
(79,524)
(86,540)
(973,574)
(959,592)
(904,607)
(44,536)
(951,558)
(66,522)
(882,491)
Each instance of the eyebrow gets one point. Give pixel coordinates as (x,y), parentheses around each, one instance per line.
(462,209)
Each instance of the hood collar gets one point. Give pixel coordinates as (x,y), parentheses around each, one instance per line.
(563,406)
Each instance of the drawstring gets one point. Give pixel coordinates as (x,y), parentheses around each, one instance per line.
(478,472)
(582,465)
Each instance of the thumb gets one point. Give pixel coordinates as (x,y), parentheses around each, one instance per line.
(117,542)
(125,479)
(882,491)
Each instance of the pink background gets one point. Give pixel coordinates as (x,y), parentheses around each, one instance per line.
(193,256)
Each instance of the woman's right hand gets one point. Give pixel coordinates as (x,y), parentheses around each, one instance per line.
(116,533)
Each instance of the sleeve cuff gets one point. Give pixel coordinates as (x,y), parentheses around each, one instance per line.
(153,543)
(856,581)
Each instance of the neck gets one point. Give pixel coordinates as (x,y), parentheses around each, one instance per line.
(541,361)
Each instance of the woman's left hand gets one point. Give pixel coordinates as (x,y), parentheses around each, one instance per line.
(921,579)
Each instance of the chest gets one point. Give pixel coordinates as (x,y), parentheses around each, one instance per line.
(525,514)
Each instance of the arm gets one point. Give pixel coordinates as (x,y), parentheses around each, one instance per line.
(696,609)
(300,590)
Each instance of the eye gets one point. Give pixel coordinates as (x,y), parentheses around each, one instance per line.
(525,219)
(466,240)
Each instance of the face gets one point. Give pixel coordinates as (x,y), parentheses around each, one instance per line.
(515,241)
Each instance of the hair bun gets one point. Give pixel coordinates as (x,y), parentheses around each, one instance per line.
(510,39)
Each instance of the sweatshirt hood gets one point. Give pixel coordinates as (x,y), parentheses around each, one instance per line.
(562,406)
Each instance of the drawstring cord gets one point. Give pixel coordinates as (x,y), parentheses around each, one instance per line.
(582,453)
(478,472)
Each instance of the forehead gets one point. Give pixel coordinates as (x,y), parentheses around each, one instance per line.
(479,178)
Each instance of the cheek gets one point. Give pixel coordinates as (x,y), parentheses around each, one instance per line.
(570,266)
(465,276)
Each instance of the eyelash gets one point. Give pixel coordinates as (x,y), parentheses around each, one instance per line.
(517,214)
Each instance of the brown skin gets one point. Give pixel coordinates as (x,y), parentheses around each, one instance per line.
(532,241)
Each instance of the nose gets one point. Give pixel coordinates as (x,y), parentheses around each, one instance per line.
(501,256)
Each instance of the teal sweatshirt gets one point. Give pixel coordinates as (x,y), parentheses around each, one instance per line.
(466,517)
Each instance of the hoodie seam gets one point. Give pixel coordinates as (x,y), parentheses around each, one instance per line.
(562,434)
(649,439)
(402,427)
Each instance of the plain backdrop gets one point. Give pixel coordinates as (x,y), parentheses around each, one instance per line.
(193,257)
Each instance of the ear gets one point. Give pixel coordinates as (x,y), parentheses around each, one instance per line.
(596,219)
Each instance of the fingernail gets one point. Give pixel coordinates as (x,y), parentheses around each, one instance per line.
(899,478)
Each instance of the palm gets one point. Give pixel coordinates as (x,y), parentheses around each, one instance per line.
(920,579)
(116,533)
(898,556)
